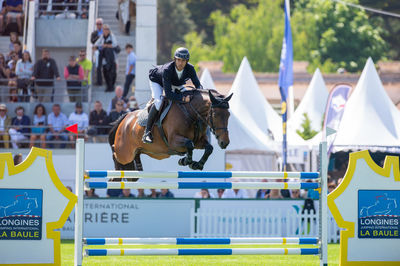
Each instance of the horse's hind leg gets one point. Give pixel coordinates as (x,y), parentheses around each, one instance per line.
(128,166)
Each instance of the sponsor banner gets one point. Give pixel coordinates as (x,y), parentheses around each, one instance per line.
(21,214)
(378,213)
(133,218)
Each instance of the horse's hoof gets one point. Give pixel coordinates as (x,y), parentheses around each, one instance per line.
(196,166)
(181,161)
(184,161)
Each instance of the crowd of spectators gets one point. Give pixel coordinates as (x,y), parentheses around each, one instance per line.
(63,9)
(48,130)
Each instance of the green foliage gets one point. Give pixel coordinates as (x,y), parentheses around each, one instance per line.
(307,132)
(335,35)
(173,23)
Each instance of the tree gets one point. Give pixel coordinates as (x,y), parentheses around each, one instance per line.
(172,24)
(307,132)
(335,35)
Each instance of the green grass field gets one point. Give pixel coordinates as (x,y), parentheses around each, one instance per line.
(67,257)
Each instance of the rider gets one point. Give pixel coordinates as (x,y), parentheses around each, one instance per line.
(171,77)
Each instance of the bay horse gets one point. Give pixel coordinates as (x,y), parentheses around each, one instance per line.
(184,129)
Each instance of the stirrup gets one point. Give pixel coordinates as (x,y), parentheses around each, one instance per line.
(147,137)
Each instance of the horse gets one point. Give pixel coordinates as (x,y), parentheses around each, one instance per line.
(183,129)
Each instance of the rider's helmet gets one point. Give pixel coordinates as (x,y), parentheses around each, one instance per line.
(182,53)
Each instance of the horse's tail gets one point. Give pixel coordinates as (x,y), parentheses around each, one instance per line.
(113,131)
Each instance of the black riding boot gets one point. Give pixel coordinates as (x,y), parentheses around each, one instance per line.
(147,136)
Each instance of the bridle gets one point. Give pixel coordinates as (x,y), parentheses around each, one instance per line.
(213,129)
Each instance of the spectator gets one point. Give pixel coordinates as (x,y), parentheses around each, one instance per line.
(45,68)
(12,63)
(18,49)
(91,193)
(118,96)
(98,121)
(84,9)
(73,74)
(124,13)
(153,194)
(68,8)
(296,194)
(114,193)
(57,122)
(24,72)
(12,87)
(274,194)
(80,118)
(17,159)
(93,39)
(331,187)
(19,130)
(203,194)
(117,112)
(107,45)
(13,10)
(262,193)
(4,70)
(220,192)
(133,105)
(13,39)
(126,193)
(5,123)
(87,67)
(165,193)
(141,193)
(39,126)
(130,68)
(235,194)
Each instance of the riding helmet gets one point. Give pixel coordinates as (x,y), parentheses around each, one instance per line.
(182,53)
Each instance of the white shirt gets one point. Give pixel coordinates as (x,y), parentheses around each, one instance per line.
(179,73)
(2,121)
(230,194)
(81,119)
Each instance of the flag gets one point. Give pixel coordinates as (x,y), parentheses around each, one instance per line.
(334,110)
(285,78)
(73,128)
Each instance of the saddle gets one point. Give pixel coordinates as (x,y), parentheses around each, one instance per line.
(164,109)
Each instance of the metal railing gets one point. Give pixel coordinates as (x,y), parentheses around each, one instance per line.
(42,90)
(62,139)
(63,10)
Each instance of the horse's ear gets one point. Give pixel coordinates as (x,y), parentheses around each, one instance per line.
(228,98)
(212,98)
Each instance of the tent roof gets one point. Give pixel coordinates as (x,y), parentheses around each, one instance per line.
(370,117)
(206,80)
(252,109)
(313,104)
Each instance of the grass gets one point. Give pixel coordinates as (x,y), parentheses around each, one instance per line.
(67,257)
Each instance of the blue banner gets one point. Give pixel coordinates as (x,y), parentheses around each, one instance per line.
(285,78)
(334,110)
(21,214)
(378,213)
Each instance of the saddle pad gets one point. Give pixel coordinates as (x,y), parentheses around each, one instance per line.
(144,114)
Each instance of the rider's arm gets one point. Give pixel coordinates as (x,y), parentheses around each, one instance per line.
(168,89)
(194,78)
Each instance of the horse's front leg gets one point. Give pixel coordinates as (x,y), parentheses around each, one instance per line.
(188,159)
(208,149)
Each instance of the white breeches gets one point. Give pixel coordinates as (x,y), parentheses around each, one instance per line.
(156,93)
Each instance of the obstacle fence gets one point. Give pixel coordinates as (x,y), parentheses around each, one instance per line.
(99,180)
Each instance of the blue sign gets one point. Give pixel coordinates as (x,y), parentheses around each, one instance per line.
(378,213)
(21,214)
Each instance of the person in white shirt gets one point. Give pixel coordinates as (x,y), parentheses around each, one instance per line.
(235,194)
(80,118)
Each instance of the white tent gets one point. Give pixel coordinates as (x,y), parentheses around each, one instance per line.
(370,118)
(313,104)
(206,80)
(251,108)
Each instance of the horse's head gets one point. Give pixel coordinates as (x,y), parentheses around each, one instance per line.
(219,119)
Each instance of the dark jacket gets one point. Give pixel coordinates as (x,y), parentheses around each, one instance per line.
(94,36)
(25,121)
(45,69)
(165,75)
(101,120)
(114,115)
